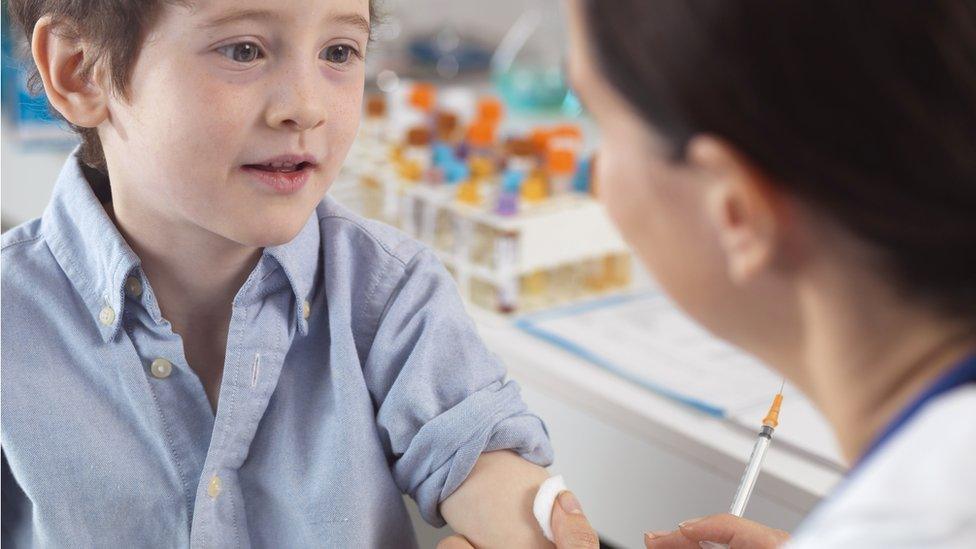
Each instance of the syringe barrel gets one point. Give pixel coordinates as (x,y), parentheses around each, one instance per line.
(751,474)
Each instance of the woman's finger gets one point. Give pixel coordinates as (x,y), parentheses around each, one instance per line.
(668,540)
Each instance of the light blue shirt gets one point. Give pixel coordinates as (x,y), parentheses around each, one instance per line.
(322,422)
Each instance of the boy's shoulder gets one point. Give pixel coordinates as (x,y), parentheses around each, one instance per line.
(369,265)
(29,269)
(25,251)
(24,233)
(352,238)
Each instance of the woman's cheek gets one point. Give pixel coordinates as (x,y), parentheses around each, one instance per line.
(618,183)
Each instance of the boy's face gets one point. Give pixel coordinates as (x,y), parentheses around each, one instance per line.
(239,115)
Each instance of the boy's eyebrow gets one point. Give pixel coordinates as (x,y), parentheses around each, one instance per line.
(237,15)
(352,19)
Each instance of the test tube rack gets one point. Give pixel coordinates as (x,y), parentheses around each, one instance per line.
(560,250)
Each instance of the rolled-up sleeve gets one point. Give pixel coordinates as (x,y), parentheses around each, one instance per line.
(441,396)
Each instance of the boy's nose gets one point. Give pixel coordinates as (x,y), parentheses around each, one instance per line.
(301,121)
(300,116)
(299,104)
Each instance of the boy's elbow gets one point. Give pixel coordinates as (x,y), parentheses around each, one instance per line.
(493,506)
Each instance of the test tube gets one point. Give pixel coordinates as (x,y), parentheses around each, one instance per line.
(506,263)
(561,163)
(416,155)
(508,196)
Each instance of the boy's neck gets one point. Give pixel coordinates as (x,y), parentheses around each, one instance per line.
(194,274)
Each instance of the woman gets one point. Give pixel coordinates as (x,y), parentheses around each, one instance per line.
(800,177)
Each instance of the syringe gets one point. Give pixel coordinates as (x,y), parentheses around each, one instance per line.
(751,474)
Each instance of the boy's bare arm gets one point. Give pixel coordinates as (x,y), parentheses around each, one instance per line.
(493,507)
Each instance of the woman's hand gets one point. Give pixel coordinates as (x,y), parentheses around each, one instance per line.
(569,527)
(737,533)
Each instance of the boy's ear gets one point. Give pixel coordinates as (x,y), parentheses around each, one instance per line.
(741,206)
(61,60)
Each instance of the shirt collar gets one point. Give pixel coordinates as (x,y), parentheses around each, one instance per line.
(88,247)
(299,259)
(97,259)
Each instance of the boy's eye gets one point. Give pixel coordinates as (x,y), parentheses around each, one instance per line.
(338,54)
(242,52)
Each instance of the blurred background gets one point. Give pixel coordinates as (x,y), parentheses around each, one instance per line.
(472,142)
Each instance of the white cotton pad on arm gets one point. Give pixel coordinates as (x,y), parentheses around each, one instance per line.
(545,498)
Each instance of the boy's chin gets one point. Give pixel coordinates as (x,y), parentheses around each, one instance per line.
(266,235)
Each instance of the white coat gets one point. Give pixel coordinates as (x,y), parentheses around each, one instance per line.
(917,490)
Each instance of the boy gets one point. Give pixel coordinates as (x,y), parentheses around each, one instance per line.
(198,349)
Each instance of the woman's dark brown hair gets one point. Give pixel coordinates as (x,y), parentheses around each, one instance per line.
(865,109)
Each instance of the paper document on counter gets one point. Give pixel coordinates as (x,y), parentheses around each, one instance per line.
(645,339)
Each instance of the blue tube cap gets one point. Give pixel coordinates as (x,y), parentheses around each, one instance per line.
(512,181)
(443,153)
(582,179)
(456,171)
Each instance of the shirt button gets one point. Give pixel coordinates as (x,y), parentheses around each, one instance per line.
(161,368)
(306,310)
(133,286)
(107,315)
(213,489)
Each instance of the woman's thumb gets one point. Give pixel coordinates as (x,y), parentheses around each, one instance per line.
(570,528)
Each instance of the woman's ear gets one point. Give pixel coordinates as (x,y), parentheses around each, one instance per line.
(61,60)
(741,206)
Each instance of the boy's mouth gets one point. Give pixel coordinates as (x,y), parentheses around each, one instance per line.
(286,163)
(284,174)
(281,167)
